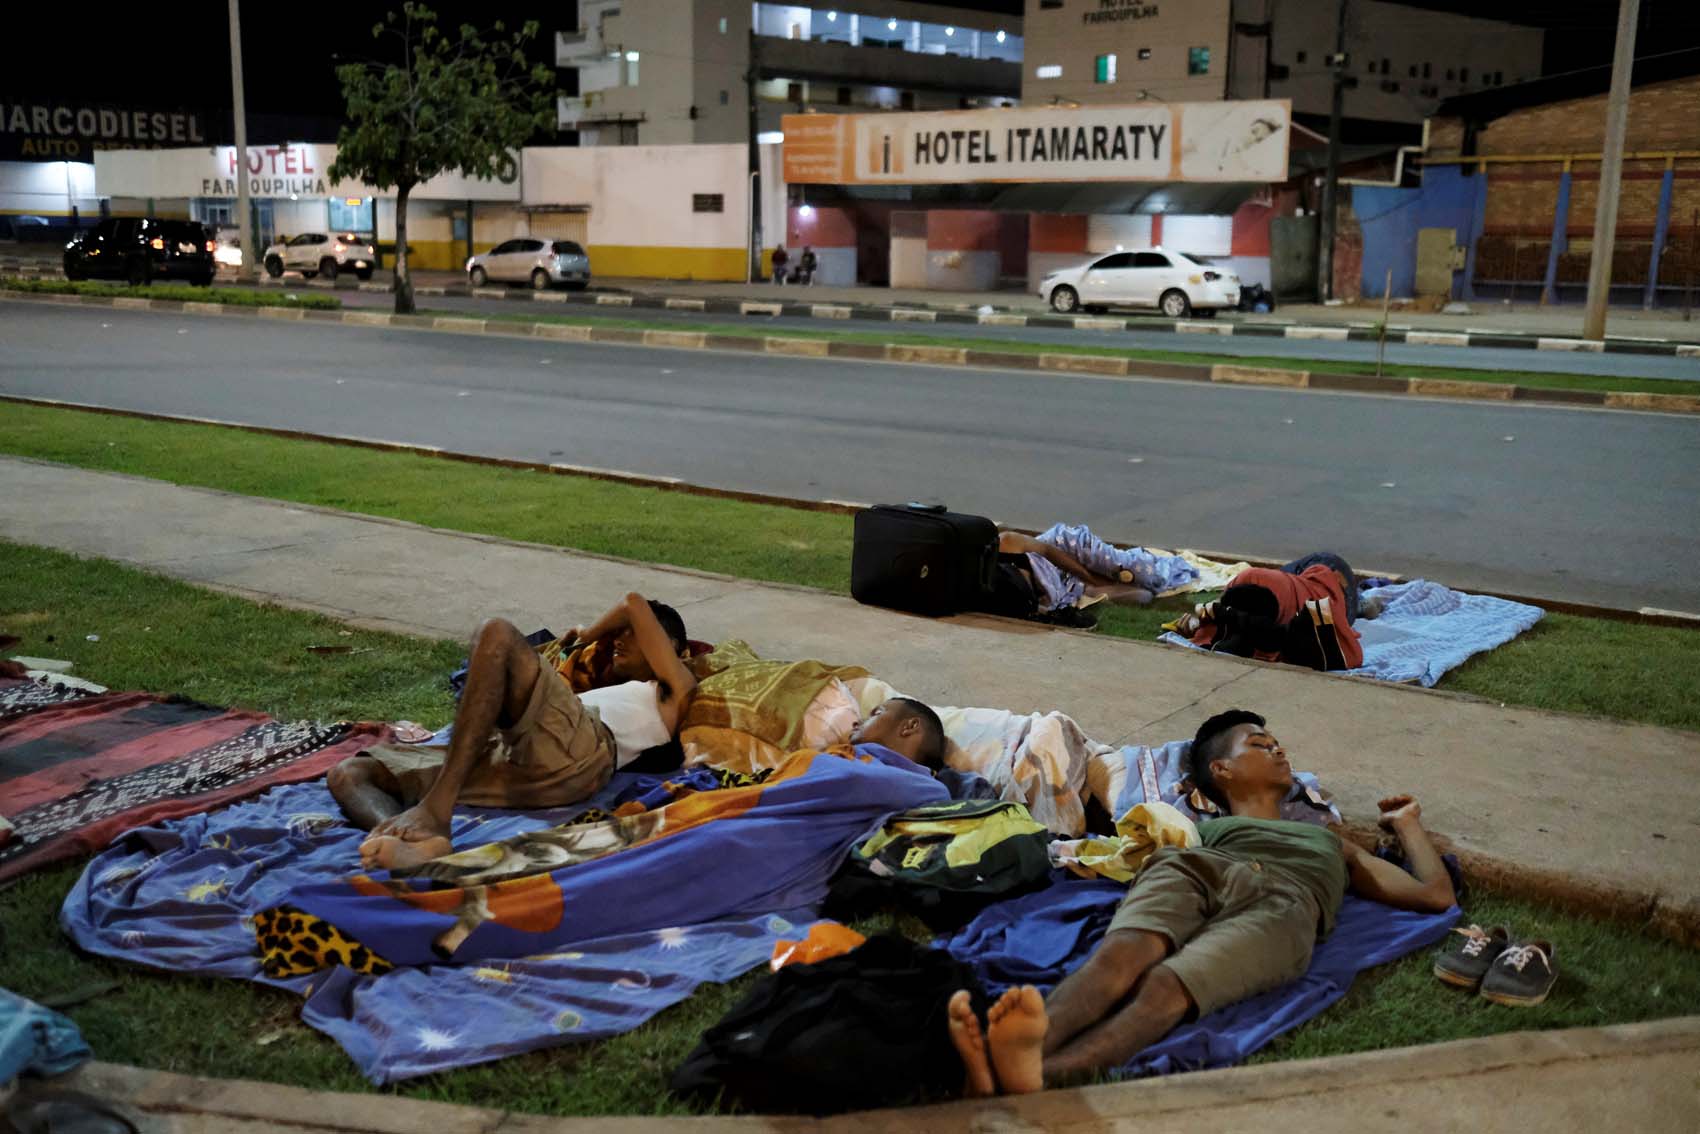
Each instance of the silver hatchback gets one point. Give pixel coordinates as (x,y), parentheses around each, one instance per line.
(540,263)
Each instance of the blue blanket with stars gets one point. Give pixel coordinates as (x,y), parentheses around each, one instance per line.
(178,896)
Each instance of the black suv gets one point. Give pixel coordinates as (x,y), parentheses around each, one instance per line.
(141,250)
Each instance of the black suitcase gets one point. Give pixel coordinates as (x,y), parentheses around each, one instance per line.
(922,558)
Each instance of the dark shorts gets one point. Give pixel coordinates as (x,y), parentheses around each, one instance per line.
(558,752)
(1236,929)
(1329,559)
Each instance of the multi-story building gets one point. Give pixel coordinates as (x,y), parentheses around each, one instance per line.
(1402,61)
(669,72)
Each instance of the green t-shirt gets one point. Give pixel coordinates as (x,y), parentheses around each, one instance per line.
(1304,853)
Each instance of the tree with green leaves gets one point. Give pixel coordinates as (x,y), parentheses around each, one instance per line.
(464,102)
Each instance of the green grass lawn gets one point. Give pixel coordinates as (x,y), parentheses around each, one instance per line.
(755,328)
(1584,665)
(165,636)
(186,293)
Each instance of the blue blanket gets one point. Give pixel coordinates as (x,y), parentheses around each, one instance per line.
(36,1039)
(1425,630)
(1040,938)
(178,896)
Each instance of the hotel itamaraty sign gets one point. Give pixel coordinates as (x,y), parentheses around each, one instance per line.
(1244,141)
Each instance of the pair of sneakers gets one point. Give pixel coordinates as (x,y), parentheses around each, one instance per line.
(1498,967)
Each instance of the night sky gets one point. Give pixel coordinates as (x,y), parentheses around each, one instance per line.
(289,50)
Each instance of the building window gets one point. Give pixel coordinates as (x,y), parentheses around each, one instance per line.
(1411,73)
(708,202)
(1048,71)
(843,96)
(1104,70)
(1385,65)
(1301,57)
(1498,78)
(1144,54)
(725,98)
(793,92)
(907,100)
(1198,60)
(722,25)
(1050,3)
(1463,74)
(631,68)
(1451,74)
(1428,70)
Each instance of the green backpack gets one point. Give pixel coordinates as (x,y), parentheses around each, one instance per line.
(945,861)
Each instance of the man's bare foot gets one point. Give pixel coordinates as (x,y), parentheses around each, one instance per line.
(1016,1038)
(386,852)
(971,1046)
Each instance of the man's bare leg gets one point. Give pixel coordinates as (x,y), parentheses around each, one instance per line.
(502,670)
(1091,992)
(366,791)
(1157,1007)
(1125,593)
(1015,1034)
(970,1044)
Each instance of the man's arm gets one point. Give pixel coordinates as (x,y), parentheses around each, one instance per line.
(1427,888)
(664,661)
(1014,543)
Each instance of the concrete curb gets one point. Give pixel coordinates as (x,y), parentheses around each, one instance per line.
(1620,1077)
(1355,332)
(1100,365)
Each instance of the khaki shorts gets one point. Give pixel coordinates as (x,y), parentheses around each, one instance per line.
(1236,929)
(559,752)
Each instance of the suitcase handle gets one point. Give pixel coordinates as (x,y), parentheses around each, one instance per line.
(917,506)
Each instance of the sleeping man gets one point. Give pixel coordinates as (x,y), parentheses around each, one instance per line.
(1201,927)
(522,738)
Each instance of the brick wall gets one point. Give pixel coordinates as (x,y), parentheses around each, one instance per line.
(1662,116)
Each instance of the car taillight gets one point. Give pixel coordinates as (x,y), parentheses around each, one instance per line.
(1212,275)
(212,246)
(157,243)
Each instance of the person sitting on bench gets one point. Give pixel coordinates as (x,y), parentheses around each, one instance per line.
(522,738)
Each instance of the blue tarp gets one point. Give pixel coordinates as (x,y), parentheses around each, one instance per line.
(1426,629)
(177,896)
(1040,938)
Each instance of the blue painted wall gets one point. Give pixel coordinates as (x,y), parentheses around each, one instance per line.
(1391,217)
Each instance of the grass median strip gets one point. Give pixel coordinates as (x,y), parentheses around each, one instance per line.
(165,636)
(1569,663)
(746,329)
(181,293)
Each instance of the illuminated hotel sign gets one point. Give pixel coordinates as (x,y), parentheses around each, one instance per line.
(1198,141)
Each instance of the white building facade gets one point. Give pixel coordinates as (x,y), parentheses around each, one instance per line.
(674,72)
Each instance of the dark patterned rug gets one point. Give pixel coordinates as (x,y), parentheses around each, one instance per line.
(76,769)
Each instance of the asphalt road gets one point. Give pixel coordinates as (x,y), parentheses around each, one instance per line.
(1227,346)
(1585,505)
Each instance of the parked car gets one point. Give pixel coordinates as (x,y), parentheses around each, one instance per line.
(141,250)
(540,263)
(322,254)
(1175,283)
(227,248)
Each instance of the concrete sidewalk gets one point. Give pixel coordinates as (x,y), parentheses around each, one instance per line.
(1553,801)
(1629,1077)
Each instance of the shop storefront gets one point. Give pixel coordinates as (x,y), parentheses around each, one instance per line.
(978,199)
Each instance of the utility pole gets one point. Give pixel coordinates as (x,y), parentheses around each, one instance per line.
(244,216)
(1325,222)
(750,78)
(1611,173)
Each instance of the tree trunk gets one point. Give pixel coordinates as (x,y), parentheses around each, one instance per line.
(403,279)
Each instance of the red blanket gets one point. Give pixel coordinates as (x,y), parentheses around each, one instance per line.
(76,770)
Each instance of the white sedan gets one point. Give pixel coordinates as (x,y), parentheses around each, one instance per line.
(1173,282)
